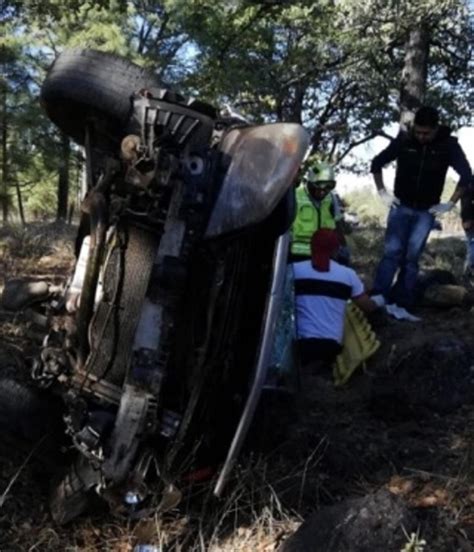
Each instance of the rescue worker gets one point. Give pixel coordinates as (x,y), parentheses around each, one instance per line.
(317,207)
(322,289)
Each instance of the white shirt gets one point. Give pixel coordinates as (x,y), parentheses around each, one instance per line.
(321,299)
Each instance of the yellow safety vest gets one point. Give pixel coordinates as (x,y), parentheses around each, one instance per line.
(310,217)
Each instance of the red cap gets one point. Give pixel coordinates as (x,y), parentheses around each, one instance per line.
(324,244)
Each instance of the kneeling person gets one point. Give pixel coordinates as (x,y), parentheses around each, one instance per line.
(322,289)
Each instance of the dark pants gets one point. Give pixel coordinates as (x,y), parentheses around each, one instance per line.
(316,350)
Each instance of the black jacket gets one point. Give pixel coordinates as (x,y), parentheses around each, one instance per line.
(467,203)
(421,169)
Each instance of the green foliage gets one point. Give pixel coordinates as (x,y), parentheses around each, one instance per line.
(368,206)
(333,66)
(36,32)
(41,205)
(449,24)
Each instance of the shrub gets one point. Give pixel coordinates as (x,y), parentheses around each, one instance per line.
(367,205)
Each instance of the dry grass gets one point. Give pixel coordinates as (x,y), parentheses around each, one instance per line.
(251,517)
(37,250)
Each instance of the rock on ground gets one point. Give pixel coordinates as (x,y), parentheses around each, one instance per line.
(373,523)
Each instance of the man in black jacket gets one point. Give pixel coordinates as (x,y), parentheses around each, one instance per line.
(423,157)
(467,216)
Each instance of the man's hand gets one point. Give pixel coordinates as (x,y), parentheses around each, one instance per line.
(388,199)
(441,208)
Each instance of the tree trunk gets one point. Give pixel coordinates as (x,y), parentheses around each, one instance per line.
(414,74)
(20,204)
(4,184)
(63,180)
(294,108)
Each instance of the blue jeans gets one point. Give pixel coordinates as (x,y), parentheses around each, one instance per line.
(405,238)
(469,249)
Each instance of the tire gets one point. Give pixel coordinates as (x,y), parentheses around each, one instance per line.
(30,422)
(82,85)
(26,414)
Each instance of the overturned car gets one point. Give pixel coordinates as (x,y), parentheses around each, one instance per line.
(160,340)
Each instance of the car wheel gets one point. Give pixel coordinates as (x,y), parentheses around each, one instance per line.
(30,424)
(26,415)
(90,87)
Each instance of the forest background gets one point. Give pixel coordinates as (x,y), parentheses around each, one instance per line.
(346,70)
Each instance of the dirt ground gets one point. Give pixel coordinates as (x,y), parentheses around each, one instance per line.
(405,423)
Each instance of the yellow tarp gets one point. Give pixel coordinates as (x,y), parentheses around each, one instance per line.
(360,343)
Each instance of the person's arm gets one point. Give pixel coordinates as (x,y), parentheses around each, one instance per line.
(340,232)
(379,183)
(459,162)
(457,194)
(359,295)
(338,218)
(365,303)
(390,153)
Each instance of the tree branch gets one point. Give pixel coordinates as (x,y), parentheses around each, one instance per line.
(361,141)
